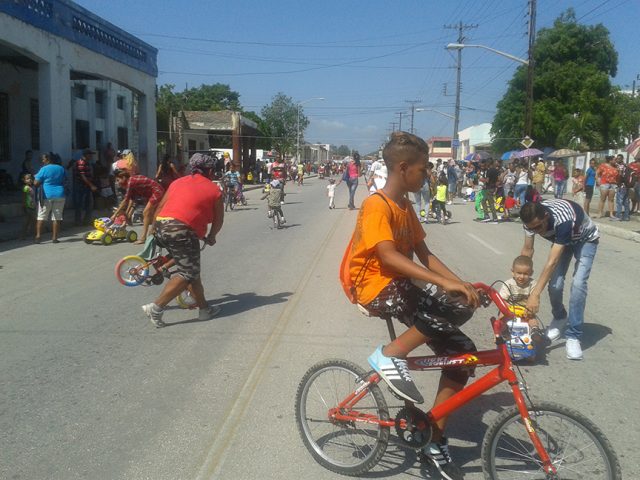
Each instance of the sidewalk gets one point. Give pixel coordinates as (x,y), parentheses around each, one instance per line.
(11,227)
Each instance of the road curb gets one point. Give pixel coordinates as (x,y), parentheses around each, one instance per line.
(618,232)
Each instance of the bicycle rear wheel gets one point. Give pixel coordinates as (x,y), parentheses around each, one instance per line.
(578,449)
(348,448)
(132,270)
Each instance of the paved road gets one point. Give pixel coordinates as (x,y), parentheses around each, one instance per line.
(89,389)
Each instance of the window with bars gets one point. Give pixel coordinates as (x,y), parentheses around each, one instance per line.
(5,146)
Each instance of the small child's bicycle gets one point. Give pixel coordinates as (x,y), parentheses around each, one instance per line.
(344,420)
(133,270)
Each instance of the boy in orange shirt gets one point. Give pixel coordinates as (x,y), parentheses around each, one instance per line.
(387,235)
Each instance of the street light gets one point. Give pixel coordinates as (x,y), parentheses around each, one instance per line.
(298,125)
(460,46)
(436,111)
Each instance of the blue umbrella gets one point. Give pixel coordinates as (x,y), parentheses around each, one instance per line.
(476,156)
(508,155)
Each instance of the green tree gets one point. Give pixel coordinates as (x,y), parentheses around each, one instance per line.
(572,92)
(344,150)
(203,98)
(281,122)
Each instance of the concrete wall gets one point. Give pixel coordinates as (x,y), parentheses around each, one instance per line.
(58,57)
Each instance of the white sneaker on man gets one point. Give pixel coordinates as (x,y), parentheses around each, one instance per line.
(555,329)
(574,350)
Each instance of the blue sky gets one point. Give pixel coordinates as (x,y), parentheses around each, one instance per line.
(367,59)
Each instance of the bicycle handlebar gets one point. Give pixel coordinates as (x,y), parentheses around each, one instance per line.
(495,297)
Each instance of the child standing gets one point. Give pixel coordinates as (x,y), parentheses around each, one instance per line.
(440,200)
(28,205)
(387,236)
(331,193)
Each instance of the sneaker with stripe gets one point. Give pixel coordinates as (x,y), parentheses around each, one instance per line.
(437,453)
(395,372)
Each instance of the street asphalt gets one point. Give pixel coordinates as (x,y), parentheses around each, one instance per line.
(89,389)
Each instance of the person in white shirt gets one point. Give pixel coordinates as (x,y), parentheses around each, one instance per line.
(331,193)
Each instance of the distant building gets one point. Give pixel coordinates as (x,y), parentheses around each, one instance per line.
(474,139)
(203,131)
(69,80)
(440,147)
(314,152)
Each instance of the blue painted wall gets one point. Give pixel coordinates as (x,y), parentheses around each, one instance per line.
(78,25)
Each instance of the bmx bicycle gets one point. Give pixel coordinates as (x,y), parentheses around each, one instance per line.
(133,270)
(345,424)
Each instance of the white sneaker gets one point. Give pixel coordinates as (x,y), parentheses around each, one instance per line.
(574,350)
(555,329)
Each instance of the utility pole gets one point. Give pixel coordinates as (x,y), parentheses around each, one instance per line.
(528,109)
(393,126)
(413,108)
(456,122)
(400,122)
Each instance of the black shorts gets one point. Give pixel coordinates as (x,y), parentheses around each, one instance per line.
(434,313)
(588,191)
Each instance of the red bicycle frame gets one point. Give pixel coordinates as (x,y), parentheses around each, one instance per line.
(345,411)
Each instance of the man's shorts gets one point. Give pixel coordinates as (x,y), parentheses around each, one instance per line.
(588,191)
(452,187)
(434,313)
(53,207)
(183,244)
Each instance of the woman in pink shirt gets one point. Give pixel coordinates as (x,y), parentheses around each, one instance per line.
(352,174)
(560,179)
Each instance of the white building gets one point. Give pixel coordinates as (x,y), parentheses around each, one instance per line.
(473,139)
(70,80)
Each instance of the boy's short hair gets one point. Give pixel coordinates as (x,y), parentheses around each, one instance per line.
(400,147)
(523,261)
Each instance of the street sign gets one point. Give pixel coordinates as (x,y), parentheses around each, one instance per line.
(455,143)
(527,142)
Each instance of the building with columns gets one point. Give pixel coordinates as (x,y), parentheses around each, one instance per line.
(70,80)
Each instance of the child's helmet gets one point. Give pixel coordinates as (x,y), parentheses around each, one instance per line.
(423,213)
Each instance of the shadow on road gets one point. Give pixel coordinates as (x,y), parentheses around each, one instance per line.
(593,333)
(239,303)
(466,424)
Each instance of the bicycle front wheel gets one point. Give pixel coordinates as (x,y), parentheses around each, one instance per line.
(348,448)
(578,448)
(131,271)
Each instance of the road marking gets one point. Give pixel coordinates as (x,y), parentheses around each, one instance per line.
(484,244)
(234,415)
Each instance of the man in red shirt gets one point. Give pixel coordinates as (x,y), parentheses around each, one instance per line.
(139,186)
(190,204)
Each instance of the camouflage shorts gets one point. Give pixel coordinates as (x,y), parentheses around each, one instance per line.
(183,244)
(434,313)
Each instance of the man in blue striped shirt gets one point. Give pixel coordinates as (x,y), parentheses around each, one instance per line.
(573,234)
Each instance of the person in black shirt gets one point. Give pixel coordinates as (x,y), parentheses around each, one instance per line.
(490,180)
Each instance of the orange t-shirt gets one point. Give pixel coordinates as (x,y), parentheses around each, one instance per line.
(608,174)
(376,223)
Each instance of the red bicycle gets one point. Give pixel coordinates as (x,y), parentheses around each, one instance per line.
(345,424)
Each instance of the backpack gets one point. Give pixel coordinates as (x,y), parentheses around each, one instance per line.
(629,177)
(348,286)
